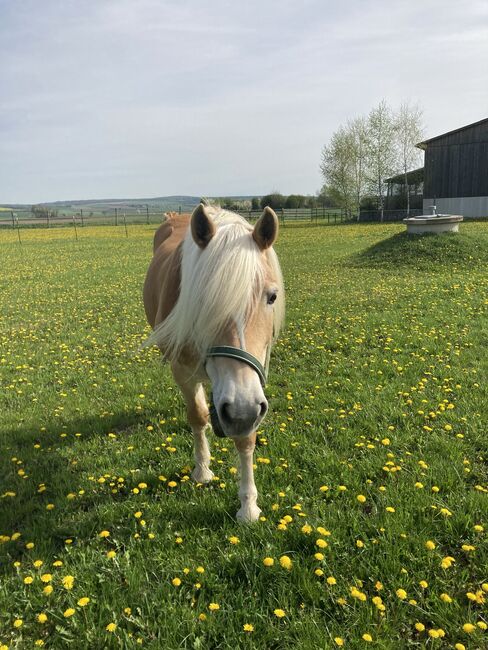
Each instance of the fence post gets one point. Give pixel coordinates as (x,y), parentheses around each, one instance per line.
(47,219)
(116,216)
(179,209)
(282,216)
(76,231)
(81,215)
(13,219)
(18,229)
(147,214)
(125,226)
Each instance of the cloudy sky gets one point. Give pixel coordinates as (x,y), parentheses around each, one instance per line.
(142,98)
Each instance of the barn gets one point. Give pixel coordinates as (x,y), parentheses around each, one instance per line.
(456,171)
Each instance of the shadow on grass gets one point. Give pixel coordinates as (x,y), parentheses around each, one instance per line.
(67,465)
(427,252)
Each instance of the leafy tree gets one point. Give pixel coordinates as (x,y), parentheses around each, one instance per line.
(337,169)
(296,201)
(275,200)
(255,203)
(381,150)
(409,131)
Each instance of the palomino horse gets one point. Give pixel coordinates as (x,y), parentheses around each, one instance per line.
(214,297)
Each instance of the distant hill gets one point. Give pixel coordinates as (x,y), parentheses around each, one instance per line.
(103,206)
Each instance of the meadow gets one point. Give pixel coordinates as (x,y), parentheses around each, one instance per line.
(371,465)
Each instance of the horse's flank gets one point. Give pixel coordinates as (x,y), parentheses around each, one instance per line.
(161,288)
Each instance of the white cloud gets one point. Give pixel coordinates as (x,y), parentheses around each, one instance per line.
(151,97)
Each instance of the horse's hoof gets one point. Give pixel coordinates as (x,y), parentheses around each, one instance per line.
(248,514)
(202,475)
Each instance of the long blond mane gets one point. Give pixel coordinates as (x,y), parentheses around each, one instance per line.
(219,284)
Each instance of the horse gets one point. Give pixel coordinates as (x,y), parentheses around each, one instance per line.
(214,297)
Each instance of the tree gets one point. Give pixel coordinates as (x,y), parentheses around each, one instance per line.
(337,168)
(381,150)
(409,131)
(255,203)
(358,139)
(275,200)
(294,201)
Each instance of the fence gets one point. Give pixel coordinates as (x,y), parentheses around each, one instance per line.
(118,217)
(388,215)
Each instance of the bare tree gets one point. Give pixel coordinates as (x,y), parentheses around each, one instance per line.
(409,131)
(382,160)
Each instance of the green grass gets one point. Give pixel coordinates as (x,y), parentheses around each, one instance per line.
(378,383)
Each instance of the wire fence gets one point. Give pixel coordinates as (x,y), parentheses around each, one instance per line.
(124,217)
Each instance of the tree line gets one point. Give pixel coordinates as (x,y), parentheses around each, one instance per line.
(369,149)
(276,201)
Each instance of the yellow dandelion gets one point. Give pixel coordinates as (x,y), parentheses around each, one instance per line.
(286,562)
(279,613)
(68,582)
(111,627)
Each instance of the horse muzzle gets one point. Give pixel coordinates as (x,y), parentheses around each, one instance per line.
(236,420)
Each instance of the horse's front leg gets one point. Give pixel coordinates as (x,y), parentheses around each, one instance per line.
(248,493)
(197,414)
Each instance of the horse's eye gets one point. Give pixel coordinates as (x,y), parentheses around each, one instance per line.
(271,298)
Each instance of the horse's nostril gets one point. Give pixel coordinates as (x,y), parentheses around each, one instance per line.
(225,413)
(263,409)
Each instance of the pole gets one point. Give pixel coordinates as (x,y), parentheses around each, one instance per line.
(116,216)
(13,219)
(81,215)
(18,230)
(125,226)
(76,231)
(147,215)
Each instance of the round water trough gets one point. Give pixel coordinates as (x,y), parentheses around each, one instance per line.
(433,223)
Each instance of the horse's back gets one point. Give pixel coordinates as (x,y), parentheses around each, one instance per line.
(162,283)
(175,226)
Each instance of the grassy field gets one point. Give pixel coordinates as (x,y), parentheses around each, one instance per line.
(371,465)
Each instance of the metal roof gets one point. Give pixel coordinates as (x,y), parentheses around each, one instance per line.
(423,145)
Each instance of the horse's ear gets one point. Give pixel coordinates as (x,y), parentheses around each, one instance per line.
(202,226)
(266,229)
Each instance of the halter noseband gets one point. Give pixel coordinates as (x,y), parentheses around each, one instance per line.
(232,352)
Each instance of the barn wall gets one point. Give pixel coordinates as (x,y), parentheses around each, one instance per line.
(467,206)
(456,164)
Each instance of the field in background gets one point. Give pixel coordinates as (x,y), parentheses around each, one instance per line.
(371,465)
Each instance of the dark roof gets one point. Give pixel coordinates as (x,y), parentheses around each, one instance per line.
(414,176)
(423,145)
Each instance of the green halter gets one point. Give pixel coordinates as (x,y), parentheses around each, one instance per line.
(241,355)
(231,352)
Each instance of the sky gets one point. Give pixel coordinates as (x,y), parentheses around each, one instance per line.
(146,98)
